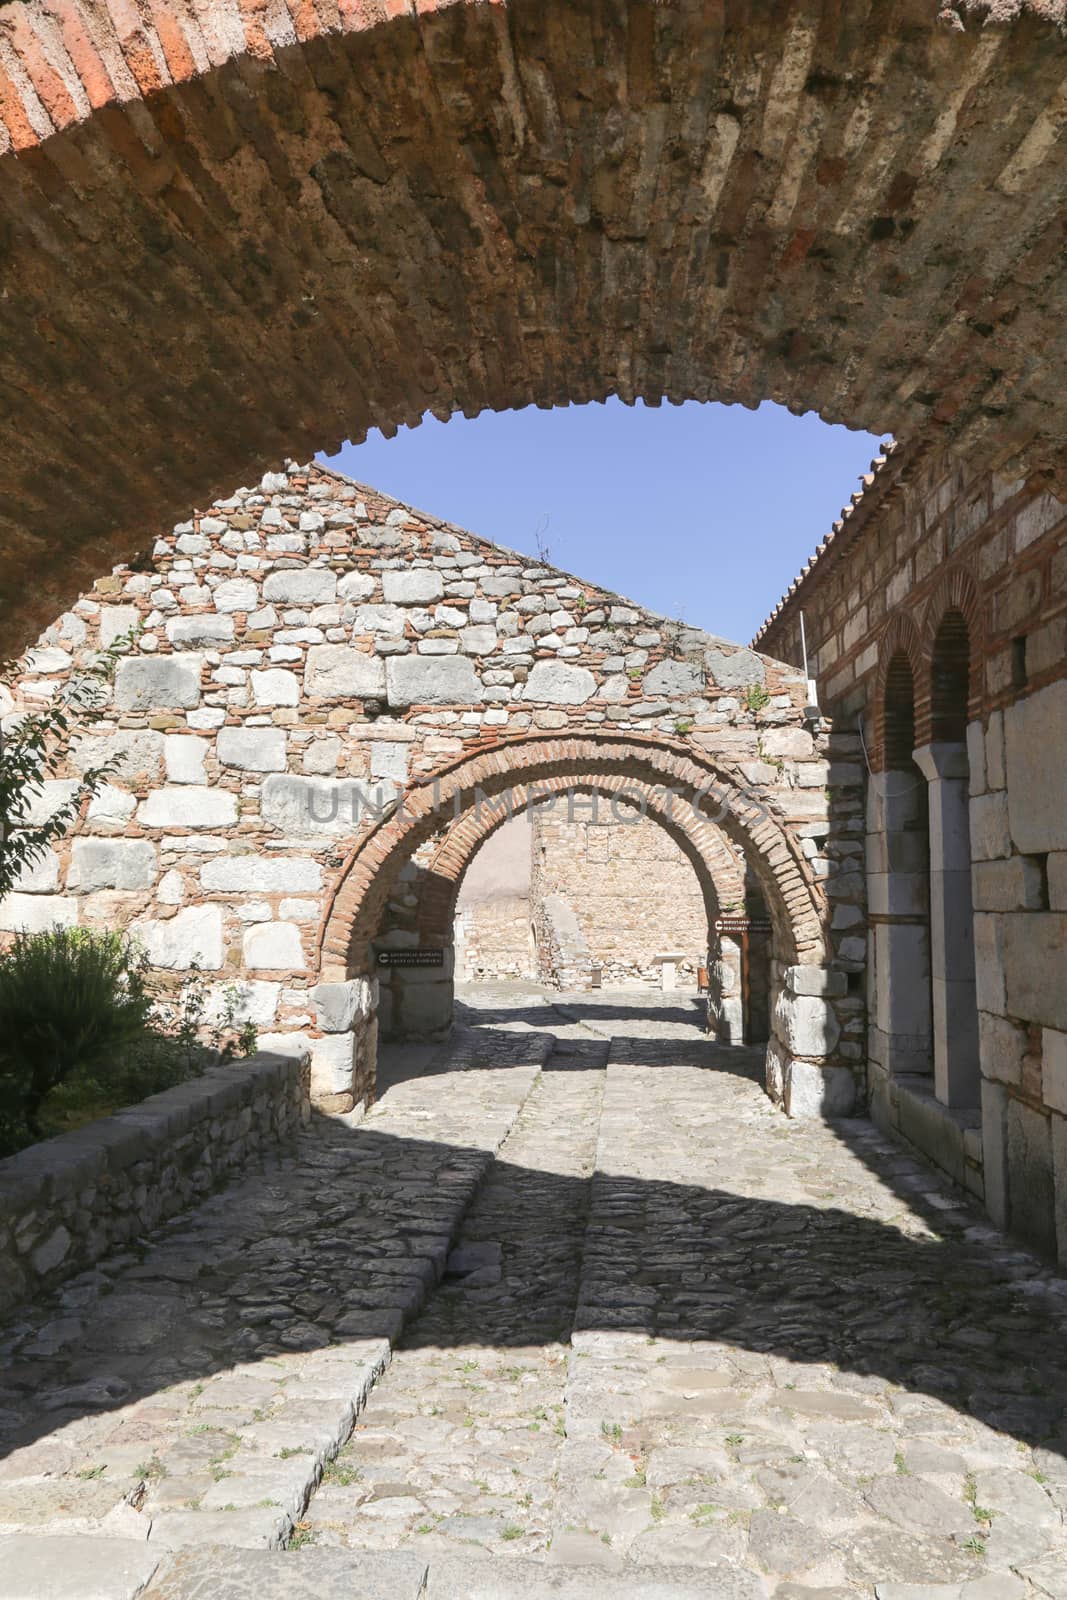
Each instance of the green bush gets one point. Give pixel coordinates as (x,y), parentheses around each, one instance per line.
(71,1001)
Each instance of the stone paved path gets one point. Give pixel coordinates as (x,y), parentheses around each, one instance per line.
(190,1389)
(797,1362)
(682,1348)
(462,1437)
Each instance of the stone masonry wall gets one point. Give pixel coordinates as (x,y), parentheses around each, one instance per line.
(925,537)
(66,1202)
(308,651)
(634,894)
(494,939)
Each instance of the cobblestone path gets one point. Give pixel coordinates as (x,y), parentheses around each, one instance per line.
(652,1341)
(189,1389)
(797,1362)
(462,1437)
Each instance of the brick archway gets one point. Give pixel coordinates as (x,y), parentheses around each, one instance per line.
(716,868)
(901,645)
(952,651)
(233,233)
(364,888)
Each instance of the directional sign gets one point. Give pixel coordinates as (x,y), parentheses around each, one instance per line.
(411,958)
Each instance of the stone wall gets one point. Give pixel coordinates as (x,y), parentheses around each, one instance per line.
(310,653)
(936,617)
(494,939)
(633,893)
(66,1202)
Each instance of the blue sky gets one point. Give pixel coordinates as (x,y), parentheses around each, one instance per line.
(704,512)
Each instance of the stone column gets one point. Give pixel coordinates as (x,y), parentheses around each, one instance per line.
(957,1078)
(423,1000)
(805,1035)
(724,992)
(344,1059)
(898,874)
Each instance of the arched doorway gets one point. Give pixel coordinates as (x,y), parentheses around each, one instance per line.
(945,764)
(900,1034)
(479,795)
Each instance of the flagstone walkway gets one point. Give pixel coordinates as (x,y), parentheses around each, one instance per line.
(657,1341)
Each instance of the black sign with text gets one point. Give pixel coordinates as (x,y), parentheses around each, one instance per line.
(411,958)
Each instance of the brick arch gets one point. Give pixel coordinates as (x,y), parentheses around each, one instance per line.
(217,251)
(715,866)
(354,914)
(901,645)
(952,654)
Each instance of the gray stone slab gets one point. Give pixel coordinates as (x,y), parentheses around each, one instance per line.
(460,1578)
(217,1573)
(47,1567)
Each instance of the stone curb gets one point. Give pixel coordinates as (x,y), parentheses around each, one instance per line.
(84,1568)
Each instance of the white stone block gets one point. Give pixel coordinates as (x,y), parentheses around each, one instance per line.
(274,946)
(36,913)
(332,1065)
(413,586)
(112,864)
(45,799)
(321,754)
(806,1025)
(555,683)
(192,937)
(252,749)
(478,641)
(1035,967)
(244,1000)
(379,619)
(356,586)
(302,806)
(261,874)
(236,594)
(300,586)
(340,672)
(432,680)
(188,806)
(812,1091)
(171,888)
(160,683)
(815,981)
(1035,737)
(389,760)
(138,753)
(339,1006)
(110,806)
(206,628)
(116,622)
(990,836)
(275,687)
(184,754)
(40,876)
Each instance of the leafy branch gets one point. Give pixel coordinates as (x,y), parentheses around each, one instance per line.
(32,750)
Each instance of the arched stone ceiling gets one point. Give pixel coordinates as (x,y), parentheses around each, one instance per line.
(232,230)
